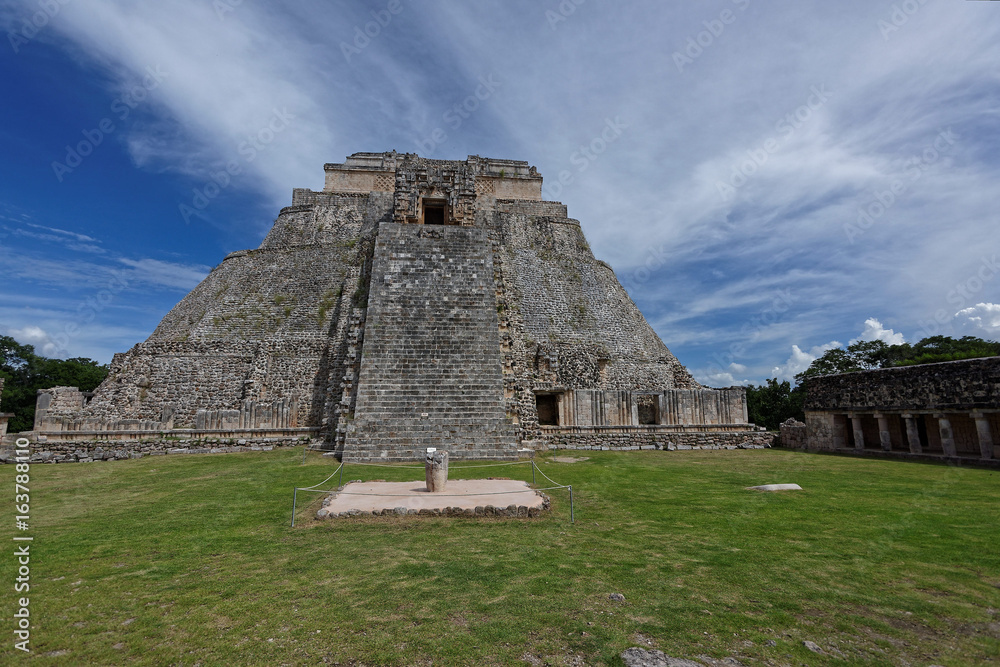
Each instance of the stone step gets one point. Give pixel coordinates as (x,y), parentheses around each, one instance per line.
(431,345)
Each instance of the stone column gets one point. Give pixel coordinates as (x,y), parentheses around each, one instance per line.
(913,434)
(436,470)
(884,437)
(985,436)
(859,433)
(839,432)
(947,436)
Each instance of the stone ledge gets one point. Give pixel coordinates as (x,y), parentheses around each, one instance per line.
(86,452)
(957,461)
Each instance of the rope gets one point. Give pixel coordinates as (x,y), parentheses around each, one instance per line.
(386,465)
(450,467)
(489,465)
(546,476)
(447,495)
(310,488)
(402,495)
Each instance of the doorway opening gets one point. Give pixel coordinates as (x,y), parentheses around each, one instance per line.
(435,212)
(548,409)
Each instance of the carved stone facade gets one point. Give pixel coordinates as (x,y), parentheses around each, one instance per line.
(412,302)
(947,410)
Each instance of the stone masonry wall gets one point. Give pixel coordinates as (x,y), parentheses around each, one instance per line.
(85,451)
(565,320)
(4,416)
(430,368)
(267,328)
(952,385)
(653,439)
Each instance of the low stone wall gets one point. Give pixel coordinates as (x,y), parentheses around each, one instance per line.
(793,434)
(652,440)
(84,452)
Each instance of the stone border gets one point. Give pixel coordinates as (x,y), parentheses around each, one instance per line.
(510,511)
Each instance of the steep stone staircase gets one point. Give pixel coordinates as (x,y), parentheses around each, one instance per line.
(430,368)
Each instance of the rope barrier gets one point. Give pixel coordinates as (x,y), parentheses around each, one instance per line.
(449,495)
(340,469)
(307,488)
(450,467)
(544,475)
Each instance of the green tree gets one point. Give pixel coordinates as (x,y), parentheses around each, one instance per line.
(772,403)
(945,348)
(25,372)
(873,354)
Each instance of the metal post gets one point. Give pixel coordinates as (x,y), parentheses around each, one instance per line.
(304,450)
(572,519)
(341,481)
(532,472)
(295,495)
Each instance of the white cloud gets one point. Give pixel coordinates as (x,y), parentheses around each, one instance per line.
(799,360)
(719,379)
(983,318)
(165,274)
(714,377)
(37,337)
(63,232)
(875,331)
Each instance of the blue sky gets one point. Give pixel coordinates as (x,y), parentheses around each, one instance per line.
(768,180)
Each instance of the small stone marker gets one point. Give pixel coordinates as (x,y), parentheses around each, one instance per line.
(812,646)
(436,470)
(776,487)
(640,657)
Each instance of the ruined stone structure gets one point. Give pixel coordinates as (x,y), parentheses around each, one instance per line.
(946,410)
(411,303)
(4,416)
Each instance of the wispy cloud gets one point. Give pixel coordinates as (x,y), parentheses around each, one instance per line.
(801,152)
(164,274)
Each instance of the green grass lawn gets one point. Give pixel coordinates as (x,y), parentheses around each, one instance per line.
(190,560)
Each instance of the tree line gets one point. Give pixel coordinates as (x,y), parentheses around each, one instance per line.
(25,372)
(773,402)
